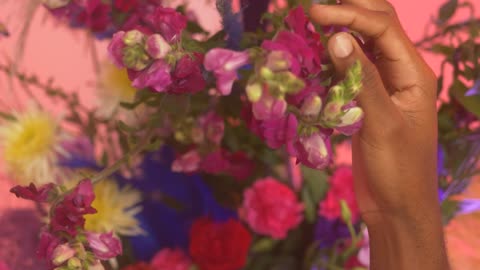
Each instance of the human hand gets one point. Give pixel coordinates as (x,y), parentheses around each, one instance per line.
(394,153)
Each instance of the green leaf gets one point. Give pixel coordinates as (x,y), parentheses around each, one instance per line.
(7,116)
(446,11)
(314,188)
(264,244)
(471,103)
(443,49)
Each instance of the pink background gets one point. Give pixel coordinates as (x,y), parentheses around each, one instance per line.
(52,50)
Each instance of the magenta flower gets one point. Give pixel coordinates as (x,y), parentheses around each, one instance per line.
(96,15)
(48,243)
(157,77)
(187,76)
(187,163)
(297,21)
(213,127)
(43,194)
(68,214)
(104,245)
(115,49)
(224,64)
(279,131)
(166,21)
(172,259)
(125,5)
(269,107)
(313,150)
(157,47)
(215,162)
(271,208)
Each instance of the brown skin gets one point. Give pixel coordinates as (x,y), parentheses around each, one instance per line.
(394,154)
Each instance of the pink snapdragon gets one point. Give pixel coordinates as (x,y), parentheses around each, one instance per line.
(104,245)
(44,193)
(268,106)
(313,150)
(224,64)
(62,253)
(187,76)
(157,47)
(271,208)
(187,163)
(156,77)
(166,21)
(280,131)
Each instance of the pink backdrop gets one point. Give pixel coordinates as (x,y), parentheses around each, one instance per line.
(54,51)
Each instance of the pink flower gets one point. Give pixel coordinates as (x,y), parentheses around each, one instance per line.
(215,162)
(312,150)
(157,47)
(279,131)
(341,188)
(271,208)
(213,126)
(351,121)
(240,166)
(43,194)
(125,5)
(68,214)
(297,21)
(187,76)
(364,252)
(269,107)
(224,64)
(104,245)
(96,15)
(62,253)
(3,266)
(187,163)
(48,243)
(157,77)
(115,49)
(166,21)
(171,259)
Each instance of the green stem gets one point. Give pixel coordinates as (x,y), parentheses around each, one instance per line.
(447,29)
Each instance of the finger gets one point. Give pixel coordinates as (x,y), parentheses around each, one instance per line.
(398,56)
(373,97)
(378,5)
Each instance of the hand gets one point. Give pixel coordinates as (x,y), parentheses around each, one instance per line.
(394,153)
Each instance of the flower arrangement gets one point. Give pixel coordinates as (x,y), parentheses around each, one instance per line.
(215,151)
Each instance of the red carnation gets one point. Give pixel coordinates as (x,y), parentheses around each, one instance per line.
(219,245)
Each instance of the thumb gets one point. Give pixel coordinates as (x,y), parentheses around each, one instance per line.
(373,97)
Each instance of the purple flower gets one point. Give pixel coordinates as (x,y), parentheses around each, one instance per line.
(279,131)
(104,245)
(468,206)
(327,231)
(268,106)
(115,49)
(157,76)
(475,90)
(224,64)
(43,194)
(187,76)
(166,21)
(313,150)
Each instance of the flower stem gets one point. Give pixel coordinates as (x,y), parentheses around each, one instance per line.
(447,29)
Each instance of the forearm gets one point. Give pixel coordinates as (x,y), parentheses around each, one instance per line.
(407,243)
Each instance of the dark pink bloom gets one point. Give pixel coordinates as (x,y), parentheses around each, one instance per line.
(187,76)
(187,163)
(48,243)
(341,188)
(68,214)
(213,127)
(271,208)
(166,21)
(157,77)
(43,194)
(240,166)
(96,15)
(279,131)
(115,49)
(297,21)
(104,245)
(269,107)
(251,122)
(172,259)
(215,162)
(3,266)
(224,64)
(125,5)
(313,150)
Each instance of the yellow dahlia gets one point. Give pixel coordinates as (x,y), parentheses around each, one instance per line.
(30,146)
(116,209)
(114,87)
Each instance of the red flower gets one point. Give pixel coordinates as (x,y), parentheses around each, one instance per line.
(125,5)
(42,194)
(341,188)
(68,214)
(219,246)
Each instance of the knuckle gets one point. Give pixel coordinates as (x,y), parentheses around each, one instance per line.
(390,8)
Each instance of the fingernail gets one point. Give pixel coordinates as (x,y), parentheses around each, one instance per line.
(342,47)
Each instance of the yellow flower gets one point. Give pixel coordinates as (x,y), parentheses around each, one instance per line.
(116,209)
(114,87)
(30,145)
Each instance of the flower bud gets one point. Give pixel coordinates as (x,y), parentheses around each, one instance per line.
(266,73)
(311,106)
(53,4)
(254,92)
(135,58)
(351,116)
(133,37)
(277,61)
(74,263)
(62,253)
(157,47)
(332,110)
